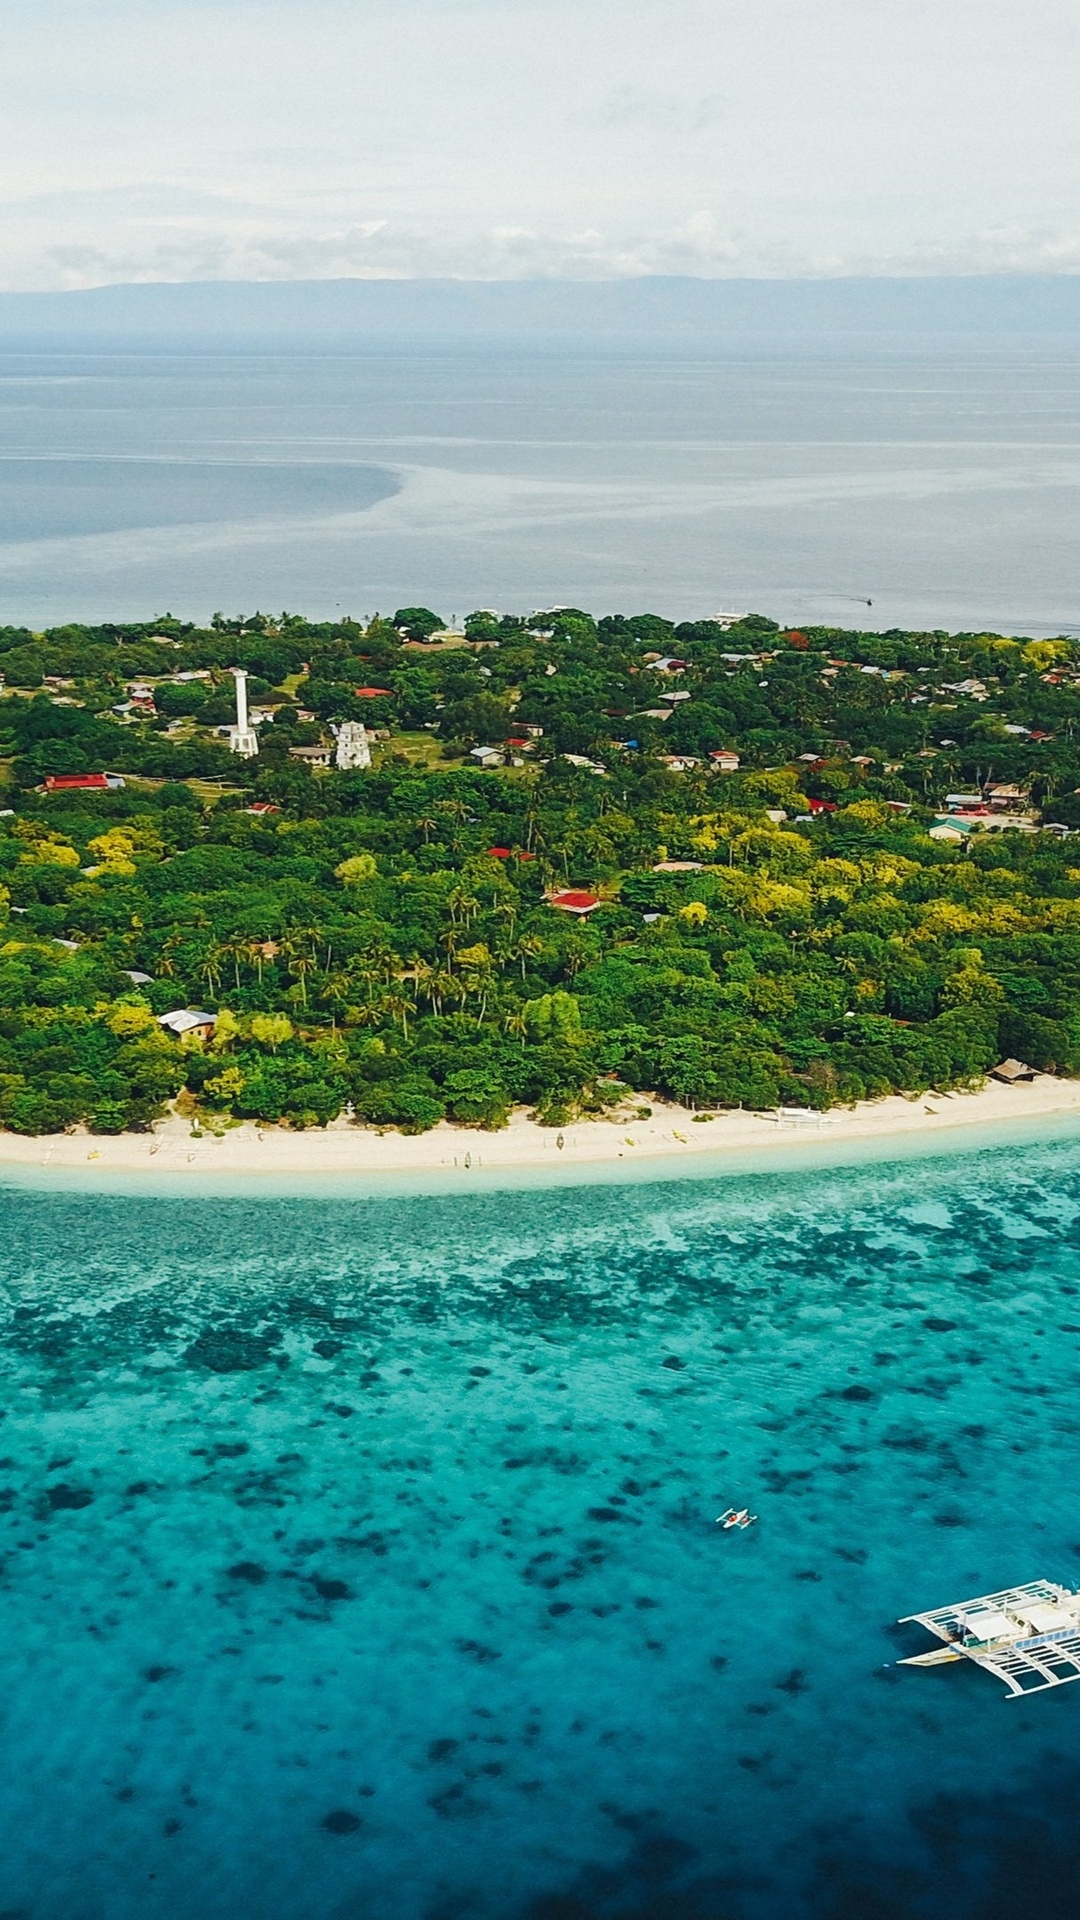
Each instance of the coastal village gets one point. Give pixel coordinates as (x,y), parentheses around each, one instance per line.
(407,870)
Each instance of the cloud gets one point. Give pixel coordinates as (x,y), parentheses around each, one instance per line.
(651,109)
(378,249)
(173,139)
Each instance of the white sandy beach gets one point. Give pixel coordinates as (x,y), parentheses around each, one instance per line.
(345,1150)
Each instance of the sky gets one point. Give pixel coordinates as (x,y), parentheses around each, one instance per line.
(491,139)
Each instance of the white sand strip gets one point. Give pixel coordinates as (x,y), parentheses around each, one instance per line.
(345,1150)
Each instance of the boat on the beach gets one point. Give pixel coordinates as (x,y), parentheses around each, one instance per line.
(1028,1636)
(735,1517)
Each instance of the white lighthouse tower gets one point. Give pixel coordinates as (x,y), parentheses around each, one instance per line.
(243,738)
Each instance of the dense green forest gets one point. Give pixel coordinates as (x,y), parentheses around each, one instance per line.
(384,943)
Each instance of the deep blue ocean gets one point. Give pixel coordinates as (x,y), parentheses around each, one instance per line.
(359,1557)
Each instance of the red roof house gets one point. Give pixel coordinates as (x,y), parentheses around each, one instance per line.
(64,782)
(374,693)
(574,901)
(498,853)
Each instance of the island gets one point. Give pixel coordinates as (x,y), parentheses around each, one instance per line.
(300,872)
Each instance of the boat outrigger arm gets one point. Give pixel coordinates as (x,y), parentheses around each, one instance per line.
(1028,1636)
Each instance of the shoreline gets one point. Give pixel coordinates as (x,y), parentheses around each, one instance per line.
(671,1141)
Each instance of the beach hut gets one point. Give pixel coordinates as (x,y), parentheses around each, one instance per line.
(1012,1071)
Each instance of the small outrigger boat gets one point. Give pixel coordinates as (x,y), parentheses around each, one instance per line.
(735,1517)
(1028,1636)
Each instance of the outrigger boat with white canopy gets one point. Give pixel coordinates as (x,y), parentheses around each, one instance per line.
(1028,1636)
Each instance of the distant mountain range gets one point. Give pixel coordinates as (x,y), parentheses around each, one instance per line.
(984,305)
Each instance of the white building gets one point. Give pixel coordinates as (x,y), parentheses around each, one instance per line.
(187,1020)
(243,738)
(312,756)
(353,752)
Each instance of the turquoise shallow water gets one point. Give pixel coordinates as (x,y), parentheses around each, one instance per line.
(359,1559)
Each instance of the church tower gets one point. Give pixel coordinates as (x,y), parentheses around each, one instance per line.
(353,753)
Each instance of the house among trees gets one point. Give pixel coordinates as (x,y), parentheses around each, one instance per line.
(1004,797)
(954,830)
(185,1021)
(974,689)
(84,782)
(574,900)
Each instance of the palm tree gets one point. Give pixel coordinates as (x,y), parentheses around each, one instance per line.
(209,967)
(575,955)
(167,956)
(529,945)
(336,989)
(506,910)
(254,952)
(235,949)
(417,970)
(397,1006)
(478,980)
(364,968)
(301,963)
(463,903)
(440,986)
